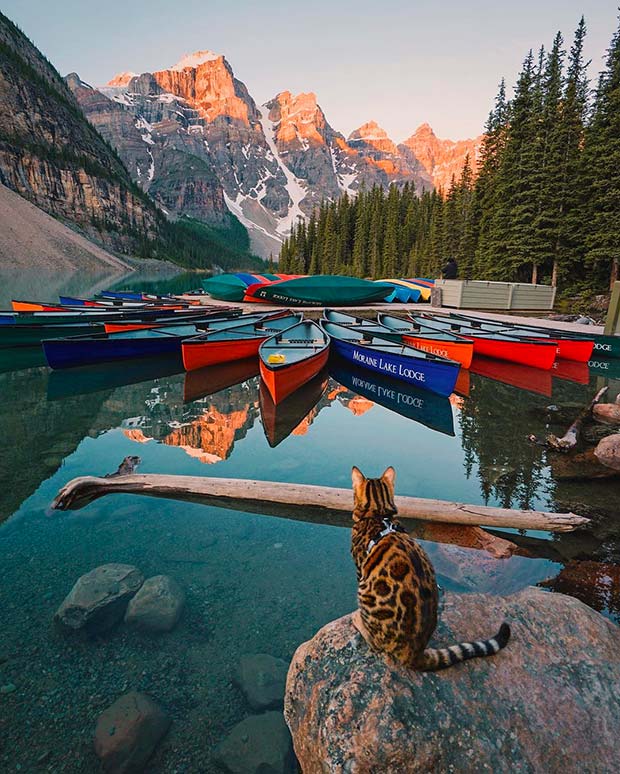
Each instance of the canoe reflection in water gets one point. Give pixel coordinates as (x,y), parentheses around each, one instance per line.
(422,406)
(211,379)
(280,420)
(107,376)
(524,377)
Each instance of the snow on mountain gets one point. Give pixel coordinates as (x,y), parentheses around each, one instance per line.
(205,148)
(194,60)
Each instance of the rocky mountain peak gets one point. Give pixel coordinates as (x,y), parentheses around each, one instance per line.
(121,80)
(206,82)
(442,159)
(424,130)
(372,136)
(297,118)
(192,61)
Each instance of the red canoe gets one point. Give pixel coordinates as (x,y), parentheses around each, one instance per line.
(235,342)
(500,346)
(290,359)
(570,347)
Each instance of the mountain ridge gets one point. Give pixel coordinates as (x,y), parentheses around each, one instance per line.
(276,162)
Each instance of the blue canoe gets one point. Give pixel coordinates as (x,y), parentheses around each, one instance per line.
(422,369)
(124,295)
(128,345)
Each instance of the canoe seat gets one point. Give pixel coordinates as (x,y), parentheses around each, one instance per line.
(300,341)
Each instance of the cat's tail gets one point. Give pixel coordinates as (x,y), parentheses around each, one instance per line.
(440,658)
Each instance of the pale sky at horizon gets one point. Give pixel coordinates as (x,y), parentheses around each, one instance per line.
(398,63)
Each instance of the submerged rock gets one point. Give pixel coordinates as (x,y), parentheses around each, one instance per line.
(580,466)
(98,599)
(158,605)
(260,744)
(128,732)
(608,451)
(262,679)
(541,701)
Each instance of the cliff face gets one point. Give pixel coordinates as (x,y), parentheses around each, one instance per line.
(441,159)
(163,161)
(52,156)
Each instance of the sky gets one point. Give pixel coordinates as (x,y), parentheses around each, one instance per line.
(398,62)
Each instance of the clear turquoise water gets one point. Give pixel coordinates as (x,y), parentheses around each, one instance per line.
(254,583)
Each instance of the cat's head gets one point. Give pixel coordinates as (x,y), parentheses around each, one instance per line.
(373,496)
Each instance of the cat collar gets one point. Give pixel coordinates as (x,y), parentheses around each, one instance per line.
(388,528)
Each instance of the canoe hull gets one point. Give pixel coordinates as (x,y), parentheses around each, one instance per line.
(430,375)
(537,355)
(280,420)
(461,352)
(319,290)
(200,354)
(284,380)
(67,353)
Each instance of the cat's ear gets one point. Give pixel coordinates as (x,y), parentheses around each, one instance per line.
(357,477)
(389,476)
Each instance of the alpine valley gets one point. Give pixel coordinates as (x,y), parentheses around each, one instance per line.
(182,163)
(193,137)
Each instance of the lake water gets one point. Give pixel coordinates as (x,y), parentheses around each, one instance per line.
(254,583)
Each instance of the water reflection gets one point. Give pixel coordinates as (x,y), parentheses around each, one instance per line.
(48,286)
(296,413)
(290,577)
(422,406)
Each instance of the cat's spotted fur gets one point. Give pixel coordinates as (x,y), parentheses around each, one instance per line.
(397,590)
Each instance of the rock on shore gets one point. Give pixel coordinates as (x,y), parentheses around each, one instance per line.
(607,451)
(99,598)
(550,700)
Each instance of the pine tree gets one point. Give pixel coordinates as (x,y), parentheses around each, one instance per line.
(485,200)
(568,253)
(601,167)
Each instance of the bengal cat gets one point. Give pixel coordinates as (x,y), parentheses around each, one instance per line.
(397,590)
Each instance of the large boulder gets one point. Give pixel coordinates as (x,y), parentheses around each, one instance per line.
(548,702)
(260,744)
(607,451)
(607,412)
(128,732)
(158,605)
(262,679)
(99,599)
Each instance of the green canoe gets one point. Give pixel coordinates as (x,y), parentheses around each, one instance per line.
(320,290)
(225,287)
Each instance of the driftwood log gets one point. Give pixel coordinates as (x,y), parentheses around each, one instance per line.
(570,439)
(301,501)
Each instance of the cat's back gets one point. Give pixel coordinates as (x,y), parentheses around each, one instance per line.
(397,596)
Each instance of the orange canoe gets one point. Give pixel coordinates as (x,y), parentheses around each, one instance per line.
(293,357)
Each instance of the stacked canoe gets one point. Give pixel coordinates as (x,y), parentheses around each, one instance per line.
(316,290)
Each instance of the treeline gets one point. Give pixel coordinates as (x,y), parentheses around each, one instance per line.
(541,203)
